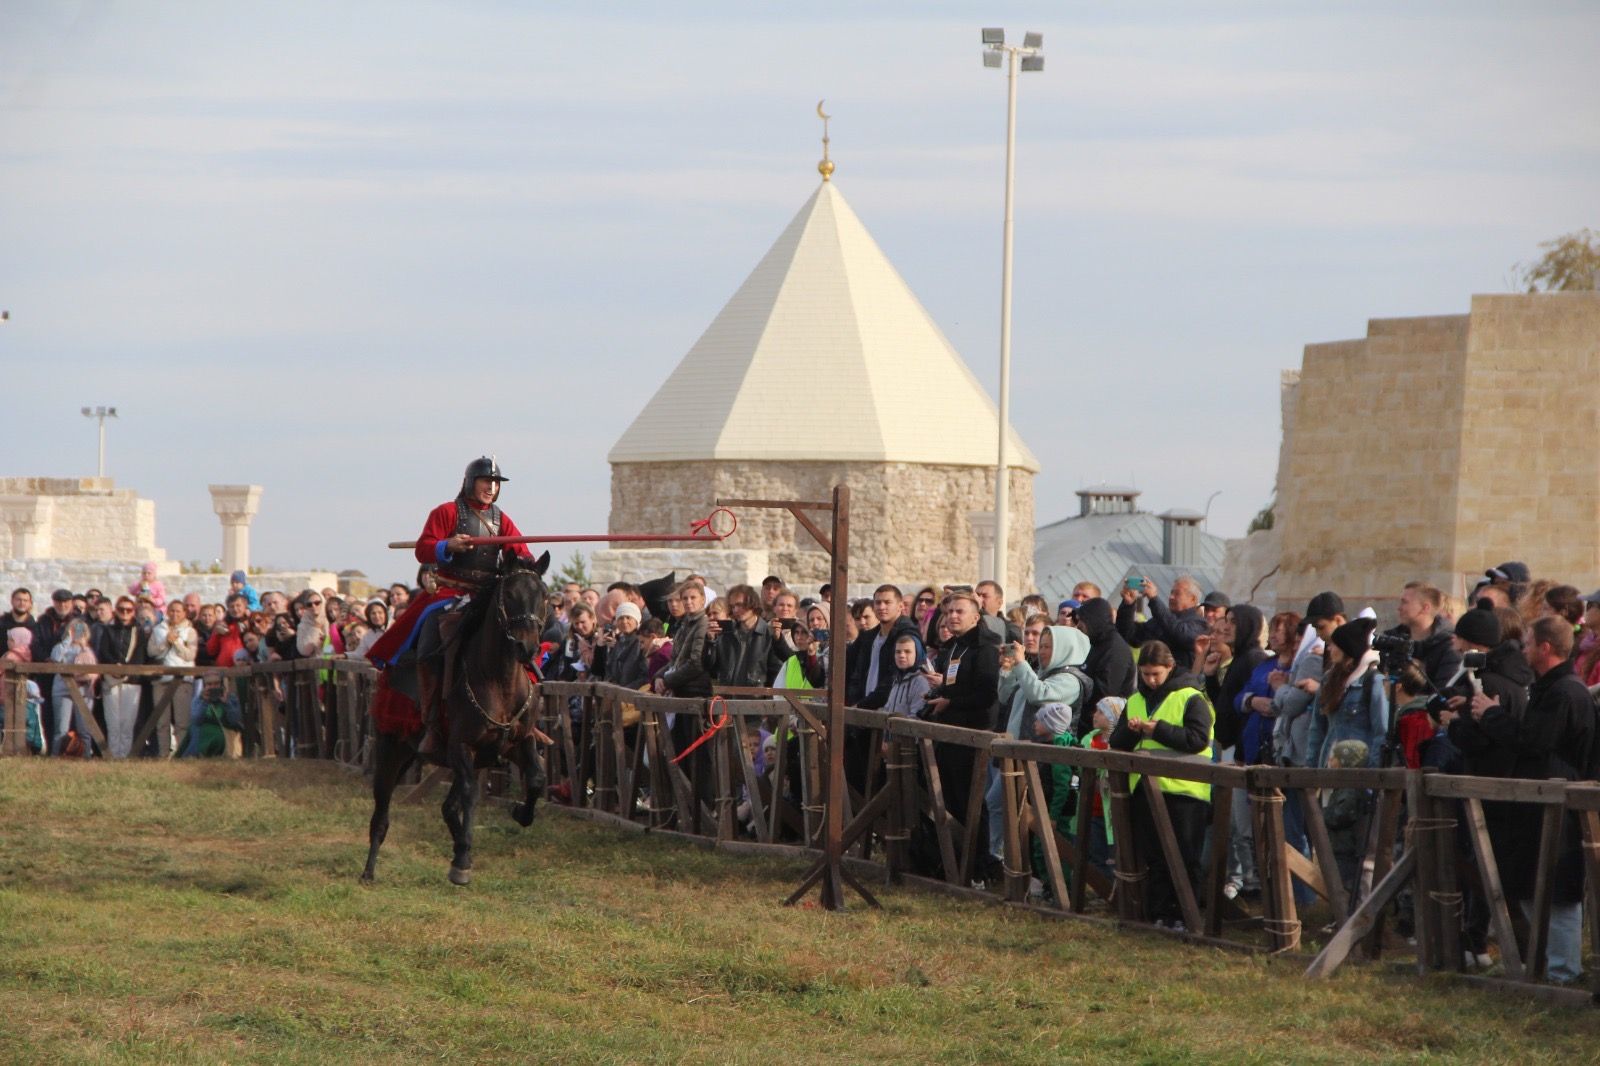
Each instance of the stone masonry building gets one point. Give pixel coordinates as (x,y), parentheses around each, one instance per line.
(1437,447)
(822,368)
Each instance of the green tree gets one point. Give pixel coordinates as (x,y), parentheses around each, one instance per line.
(575,569)
(1569,264)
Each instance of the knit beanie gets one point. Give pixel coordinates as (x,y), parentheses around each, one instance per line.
(1479,626)
(1349,754)
(1056,718)
(1354,637)
(626,609)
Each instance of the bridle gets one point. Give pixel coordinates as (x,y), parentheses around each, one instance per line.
(507,622)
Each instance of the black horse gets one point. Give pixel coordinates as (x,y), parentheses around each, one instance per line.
(488,709)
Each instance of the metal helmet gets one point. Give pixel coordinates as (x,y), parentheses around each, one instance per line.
(483,466)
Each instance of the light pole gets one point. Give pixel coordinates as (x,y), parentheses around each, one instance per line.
(1029,55)
(101,413)
(1205,523)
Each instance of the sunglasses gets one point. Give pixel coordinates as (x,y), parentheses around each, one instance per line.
(124,610)
(924,601)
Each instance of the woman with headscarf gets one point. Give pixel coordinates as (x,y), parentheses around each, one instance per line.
(74,649)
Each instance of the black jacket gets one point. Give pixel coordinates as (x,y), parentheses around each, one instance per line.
(1247,655)
(1110,661)
(1436,652)
(685,673)
(124,644)
(623,663)
(1176,629)
(747,655)
(1488,745)
(974,693)
(886,670)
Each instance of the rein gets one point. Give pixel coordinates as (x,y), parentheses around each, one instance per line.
(533,689)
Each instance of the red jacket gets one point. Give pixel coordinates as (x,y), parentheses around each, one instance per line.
(225,640)
(441,525)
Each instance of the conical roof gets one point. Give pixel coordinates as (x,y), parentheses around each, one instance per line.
(826,332)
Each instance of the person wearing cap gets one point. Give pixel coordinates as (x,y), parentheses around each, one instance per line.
(47,633)
(1429,631)
(1351,703)
(463,568)
(1177,623)
(1325,613)
(1215,606)
(1513,577)
(771,585)
(239,585)
(1067,613)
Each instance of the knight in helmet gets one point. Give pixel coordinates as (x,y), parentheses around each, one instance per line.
(462,569)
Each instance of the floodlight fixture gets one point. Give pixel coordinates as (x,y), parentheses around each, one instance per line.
(1033,40)
(1033,62)
(991,59)
(994,35)
(101,414)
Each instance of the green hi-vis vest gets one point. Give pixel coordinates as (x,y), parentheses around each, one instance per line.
(794,674)
(1171,711)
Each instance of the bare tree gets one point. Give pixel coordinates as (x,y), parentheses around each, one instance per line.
(1569,264)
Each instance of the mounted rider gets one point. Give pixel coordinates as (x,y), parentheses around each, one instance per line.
(462,569)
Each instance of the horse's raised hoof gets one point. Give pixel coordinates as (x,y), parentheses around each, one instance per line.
(522,814)
(458,876)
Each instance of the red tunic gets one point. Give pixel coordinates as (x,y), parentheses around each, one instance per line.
(440,526)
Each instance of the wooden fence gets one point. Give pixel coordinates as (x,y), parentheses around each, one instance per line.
(299,708)
(619,756)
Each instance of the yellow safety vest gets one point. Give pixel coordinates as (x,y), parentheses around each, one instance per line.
(1171,711)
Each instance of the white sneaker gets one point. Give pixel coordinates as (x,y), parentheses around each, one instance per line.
(1230,891)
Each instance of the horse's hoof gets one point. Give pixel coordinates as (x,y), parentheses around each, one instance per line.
(458,876)
(522,814)
(366,877)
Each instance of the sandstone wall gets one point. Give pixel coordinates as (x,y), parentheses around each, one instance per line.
(90,519)
(908,522)
(1530,466)
(1437,447)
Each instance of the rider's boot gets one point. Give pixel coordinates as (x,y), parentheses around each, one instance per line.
(428,685)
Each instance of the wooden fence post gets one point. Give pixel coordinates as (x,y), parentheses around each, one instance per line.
(1424,897)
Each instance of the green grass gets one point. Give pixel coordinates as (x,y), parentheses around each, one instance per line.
(205,912)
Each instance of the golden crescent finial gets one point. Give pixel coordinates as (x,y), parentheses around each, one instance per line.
(825,168)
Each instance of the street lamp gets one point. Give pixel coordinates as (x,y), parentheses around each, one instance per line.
(101,413)
(1029,55)
(1205,523)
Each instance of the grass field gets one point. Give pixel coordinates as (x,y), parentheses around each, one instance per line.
(211,912)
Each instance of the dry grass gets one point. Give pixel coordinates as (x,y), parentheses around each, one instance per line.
(210,912)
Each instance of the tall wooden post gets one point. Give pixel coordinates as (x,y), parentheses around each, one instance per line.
(833,833)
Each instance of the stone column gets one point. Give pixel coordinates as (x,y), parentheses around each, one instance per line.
(235,505)
(982,523)
(29,519)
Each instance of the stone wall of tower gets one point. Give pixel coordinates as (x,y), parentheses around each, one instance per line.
(1437,447)
(908,521)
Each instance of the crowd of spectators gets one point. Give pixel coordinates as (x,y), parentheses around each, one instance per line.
(144,626)
(1498,685)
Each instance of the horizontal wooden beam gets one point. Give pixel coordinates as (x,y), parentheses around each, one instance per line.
(1509,790)
(783,505)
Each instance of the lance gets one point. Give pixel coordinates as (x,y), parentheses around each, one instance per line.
(707,530)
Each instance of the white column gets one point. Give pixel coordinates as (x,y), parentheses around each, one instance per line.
(235,505)
(982,523)
(29,519)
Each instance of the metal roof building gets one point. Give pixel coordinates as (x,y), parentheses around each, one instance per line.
(1110,540)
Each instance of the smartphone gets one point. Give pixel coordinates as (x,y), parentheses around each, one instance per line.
(1135,583)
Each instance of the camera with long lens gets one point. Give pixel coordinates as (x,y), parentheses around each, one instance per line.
(1394,651)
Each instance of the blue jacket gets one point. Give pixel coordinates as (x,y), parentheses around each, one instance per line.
(1363,714)
(1255,729)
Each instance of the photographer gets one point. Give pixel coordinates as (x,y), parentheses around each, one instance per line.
(1429,631)
(1176,623)
(1501,673)
(745,652)
(619,657)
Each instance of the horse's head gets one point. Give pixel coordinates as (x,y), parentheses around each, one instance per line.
(522,604)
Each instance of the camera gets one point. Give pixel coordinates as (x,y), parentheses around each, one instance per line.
(1474,660)
(1394,651)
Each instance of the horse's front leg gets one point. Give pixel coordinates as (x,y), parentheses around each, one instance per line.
(392,758)
(460,806)
(526,756)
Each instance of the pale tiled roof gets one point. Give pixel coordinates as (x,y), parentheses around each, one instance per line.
(826,336)
(1108,548)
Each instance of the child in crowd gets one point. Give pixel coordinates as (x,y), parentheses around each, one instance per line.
(212,715)
(1345,812)
(909,689)
(1106,713)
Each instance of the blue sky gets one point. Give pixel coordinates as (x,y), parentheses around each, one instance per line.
(338,250)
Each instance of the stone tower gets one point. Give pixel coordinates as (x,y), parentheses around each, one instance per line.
(823,367)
